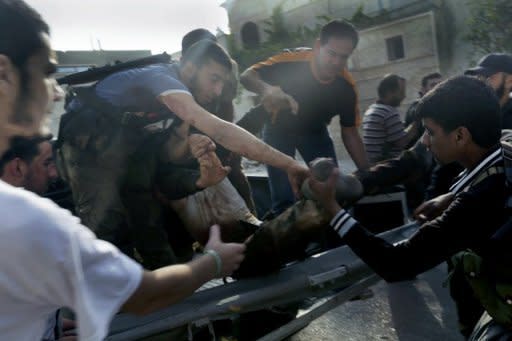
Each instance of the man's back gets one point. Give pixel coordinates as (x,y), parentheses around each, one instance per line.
(382,128)
(137,89)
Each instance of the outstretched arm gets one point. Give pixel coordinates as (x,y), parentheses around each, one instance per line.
(165,286)
(233,137)
(435,241)
(412,164)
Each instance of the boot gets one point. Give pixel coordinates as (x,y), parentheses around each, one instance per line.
(348,188)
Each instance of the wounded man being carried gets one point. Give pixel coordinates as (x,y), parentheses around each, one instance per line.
(276,241)
(120,148)
(123,203)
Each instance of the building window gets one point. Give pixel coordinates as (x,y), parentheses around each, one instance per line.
(250,35)
(395,47)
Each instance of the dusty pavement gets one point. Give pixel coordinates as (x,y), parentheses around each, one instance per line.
(417,310)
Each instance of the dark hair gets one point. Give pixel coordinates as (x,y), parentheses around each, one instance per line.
(25,148)
(194,36)
(204,50)
(20,29)
(430,76)
(464,101)
(339,29)
(389,84)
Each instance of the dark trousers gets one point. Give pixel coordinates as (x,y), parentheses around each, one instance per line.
(310,146)
(113,195)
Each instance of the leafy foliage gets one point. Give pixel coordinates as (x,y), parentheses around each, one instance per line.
(279,37)
(490,25)
(362,20)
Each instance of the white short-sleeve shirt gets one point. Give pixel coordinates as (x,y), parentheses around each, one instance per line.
(49,260)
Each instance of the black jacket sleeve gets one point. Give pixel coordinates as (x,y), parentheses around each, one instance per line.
(412,164)
(468,222)
(176,182)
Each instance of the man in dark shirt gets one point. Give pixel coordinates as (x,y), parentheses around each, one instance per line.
(428,82)
(496,70)
(468,134)
(302,91)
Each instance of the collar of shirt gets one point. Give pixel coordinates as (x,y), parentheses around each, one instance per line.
(468,176)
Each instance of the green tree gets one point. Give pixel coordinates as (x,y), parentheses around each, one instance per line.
(276,28)
(490,25)
(279,37)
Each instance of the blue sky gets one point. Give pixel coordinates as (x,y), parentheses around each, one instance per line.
(157,25)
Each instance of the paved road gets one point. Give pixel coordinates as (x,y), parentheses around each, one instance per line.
(414,310)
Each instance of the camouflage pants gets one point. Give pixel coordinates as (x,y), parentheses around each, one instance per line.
(278,241)
(95,194)
(144,211)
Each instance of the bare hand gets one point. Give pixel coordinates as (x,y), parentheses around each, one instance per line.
(274,100)
(231,254)
(200,144)
(297,173)
(211,170)
(433,208)
(325,191)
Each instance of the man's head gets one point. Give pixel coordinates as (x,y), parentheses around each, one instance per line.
(429,82)
(205,68)
(460,115)
(496,70)
(194,36)
(29,163)
(199,34)
(391,90)
(337,41)
(26,63)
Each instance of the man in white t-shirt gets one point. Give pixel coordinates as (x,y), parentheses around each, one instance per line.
(48,259)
